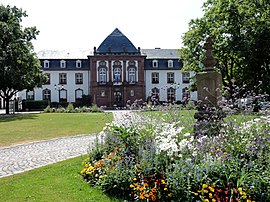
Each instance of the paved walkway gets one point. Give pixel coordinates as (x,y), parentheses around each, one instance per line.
(20,158)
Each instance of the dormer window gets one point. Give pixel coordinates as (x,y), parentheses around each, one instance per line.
(62,64)
(155,63)
(78,64)
(46,63)
(170,63)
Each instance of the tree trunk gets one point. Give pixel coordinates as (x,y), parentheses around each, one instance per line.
(7,105)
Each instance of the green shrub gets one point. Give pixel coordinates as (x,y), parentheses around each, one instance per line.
(47,109)
(95,108)
(33,105)
(70,108)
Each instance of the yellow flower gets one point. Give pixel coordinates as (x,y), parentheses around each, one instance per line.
(240,189)
(205,191)
(248,200)
(196,194)
(210,195)
(205,200)
(214,200)
(204,186)
(134,178)
(170,195)
(165,189)
(162,181)
(211,189)
(131,186)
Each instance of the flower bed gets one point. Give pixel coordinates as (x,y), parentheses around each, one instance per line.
(157,161)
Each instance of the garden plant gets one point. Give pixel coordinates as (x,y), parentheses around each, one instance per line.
(161,159)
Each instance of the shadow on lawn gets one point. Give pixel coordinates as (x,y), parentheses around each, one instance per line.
(15,117)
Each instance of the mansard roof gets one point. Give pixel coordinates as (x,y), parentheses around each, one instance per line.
(116,42)
(159,53)
(63,54)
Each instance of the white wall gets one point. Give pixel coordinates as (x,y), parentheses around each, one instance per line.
(163,85)
(70,86)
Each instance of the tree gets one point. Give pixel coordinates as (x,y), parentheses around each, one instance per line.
(19,65)
(240,30)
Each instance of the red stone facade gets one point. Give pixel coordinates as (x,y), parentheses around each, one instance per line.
(112,93)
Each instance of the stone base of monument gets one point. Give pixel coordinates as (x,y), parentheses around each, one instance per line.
(208,122)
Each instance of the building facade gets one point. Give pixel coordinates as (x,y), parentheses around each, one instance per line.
(112,75)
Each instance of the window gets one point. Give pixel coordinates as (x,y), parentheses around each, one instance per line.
(186,77)
(171,94)
(185,93)
(170,77)
(102,75)
(78,94)
(62,64)
(46,94)
(155,77)
(102,93)
(48,81)
(117,63)
(78,64)
(62,95)
(131,93)
(79,78)
(170,63)
(46,64)
(62,78)
(132,75)
(117,75)
(154,63)
(102,63)
(30,95)
(155,94)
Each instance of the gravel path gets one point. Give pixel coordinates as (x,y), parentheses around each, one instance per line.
(20,158)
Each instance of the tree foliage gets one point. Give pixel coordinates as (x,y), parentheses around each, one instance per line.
(240,30)
(19,65)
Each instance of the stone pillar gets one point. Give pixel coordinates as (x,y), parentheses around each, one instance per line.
(209,115)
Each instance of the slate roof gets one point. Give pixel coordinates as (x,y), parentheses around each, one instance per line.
(64,54)
(116,42)
(158,53)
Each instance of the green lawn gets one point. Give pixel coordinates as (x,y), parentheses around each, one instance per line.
(31,127)
(56,182)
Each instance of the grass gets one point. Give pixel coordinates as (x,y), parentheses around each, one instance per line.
(56,182)
(22,128)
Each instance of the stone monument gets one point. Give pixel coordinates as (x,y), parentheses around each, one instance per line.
(209,115)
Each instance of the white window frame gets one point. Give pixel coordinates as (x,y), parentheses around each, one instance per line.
(62,64)
(170,77)
(46,64)
(132,75)
(170,63)
(186,77)
(171,94)
(30,95)
(62,78)
(46,94)
(132,93)
(102,75)
(78,78)
(155,76)
(78,64)
(78,92)
(117,75)
(155,63)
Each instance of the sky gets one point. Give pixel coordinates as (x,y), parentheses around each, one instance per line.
(83,24)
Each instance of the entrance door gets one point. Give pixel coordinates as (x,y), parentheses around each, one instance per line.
(117,96)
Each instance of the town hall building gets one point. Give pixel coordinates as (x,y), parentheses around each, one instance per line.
(113,74)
